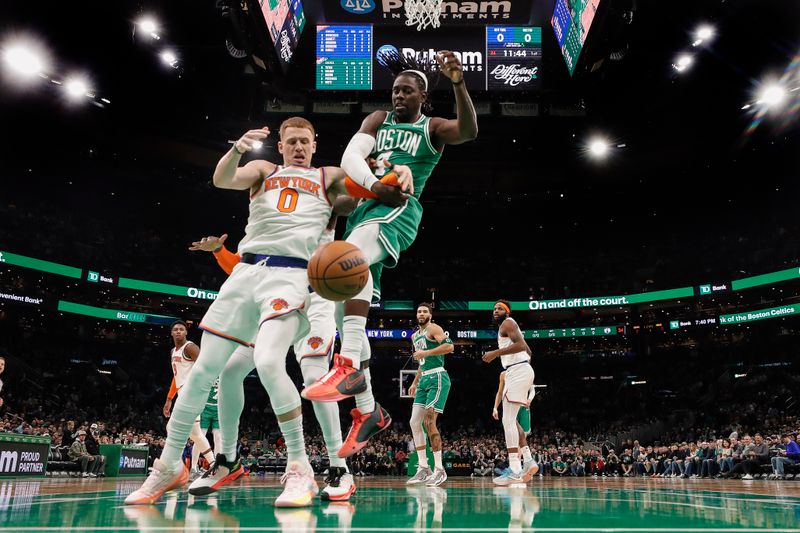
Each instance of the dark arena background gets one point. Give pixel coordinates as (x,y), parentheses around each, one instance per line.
(632,192)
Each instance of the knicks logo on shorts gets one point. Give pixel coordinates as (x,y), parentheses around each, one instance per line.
(279,304)
(315,342)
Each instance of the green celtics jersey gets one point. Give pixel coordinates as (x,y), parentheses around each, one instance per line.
(406,144)
(213,395)
(422,342)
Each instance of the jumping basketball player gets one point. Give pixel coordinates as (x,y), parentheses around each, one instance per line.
(264,298)
(515,356)
(183,357)
(529,466)
(404,135)
(313,354)
(430,390)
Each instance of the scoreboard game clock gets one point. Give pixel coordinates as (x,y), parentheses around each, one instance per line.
(514,56)
(344,57)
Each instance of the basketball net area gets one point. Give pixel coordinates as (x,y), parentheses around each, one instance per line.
(423,13)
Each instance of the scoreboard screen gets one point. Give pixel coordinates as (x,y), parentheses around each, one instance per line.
(285,21)
(344,57)
(514,55)
(571,21)
(504,58)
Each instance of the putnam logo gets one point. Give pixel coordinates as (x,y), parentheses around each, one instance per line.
(349,264)
(315,342)
(279,304)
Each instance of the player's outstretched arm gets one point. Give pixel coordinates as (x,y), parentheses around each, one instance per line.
(229,175)
(465,126)
(354,161)
(336,185)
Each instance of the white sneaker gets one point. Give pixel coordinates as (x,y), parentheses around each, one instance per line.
(340,485)
(300,487)
(747,476)
(438,477)
(529,469)
(421,476)
(85,474)
(161,479)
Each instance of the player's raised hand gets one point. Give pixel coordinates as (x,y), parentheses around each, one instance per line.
(450,65)
(209,244)
(248,141)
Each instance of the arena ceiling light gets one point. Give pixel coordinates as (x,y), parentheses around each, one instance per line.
(599,147)
(168,57)
(149,26)
(703,33)
(772,95)
(76,87)
(683,62)
(23,60)
(257,145)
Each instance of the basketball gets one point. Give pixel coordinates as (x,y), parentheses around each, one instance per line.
(338,271)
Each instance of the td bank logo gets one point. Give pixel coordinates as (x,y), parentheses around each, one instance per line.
(705,289)
(8,462)
(674,324)
(93,277)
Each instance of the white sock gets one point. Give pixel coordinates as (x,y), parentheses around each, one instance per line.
(437,460)
(526,453)
(292,431)
(513,463)
(422,459)
(365,401)
(353,331)
(231,399)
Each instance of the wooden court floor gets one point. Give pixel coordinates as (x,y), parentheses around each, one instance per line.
(387,504)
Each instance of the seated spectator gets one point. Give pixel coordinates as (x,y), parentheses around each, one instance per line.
(626,461)
(755,455)
(480,466)
(79,454)
(559,467)
(790,455)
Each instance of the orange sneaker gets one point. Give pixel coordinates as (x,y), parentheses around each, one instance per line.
(340,382)
(161,479)
(364,426)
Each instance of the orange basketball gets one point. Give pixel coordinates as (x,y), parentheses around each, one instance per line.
(338,271)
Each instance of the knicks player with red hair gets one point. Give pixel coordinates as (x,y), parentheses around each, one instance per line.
(265,298)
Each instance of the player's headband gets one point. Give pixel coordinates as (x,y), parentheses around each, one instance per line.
(504,306)
(420,74)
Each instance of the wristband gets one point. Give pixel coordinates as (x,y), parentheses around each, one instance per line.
(237,150)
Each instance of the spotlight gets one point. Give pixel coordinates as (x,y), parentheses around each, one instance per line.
(683,62)
(598,148)
(169,58)
(772,95)
(703,33)
(257,145)
(24,60)
(76,88)
(149,26)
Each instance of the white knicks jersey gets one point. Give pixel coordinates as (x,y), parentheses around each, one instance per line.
(512,358)
(288,213)
(181,365)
